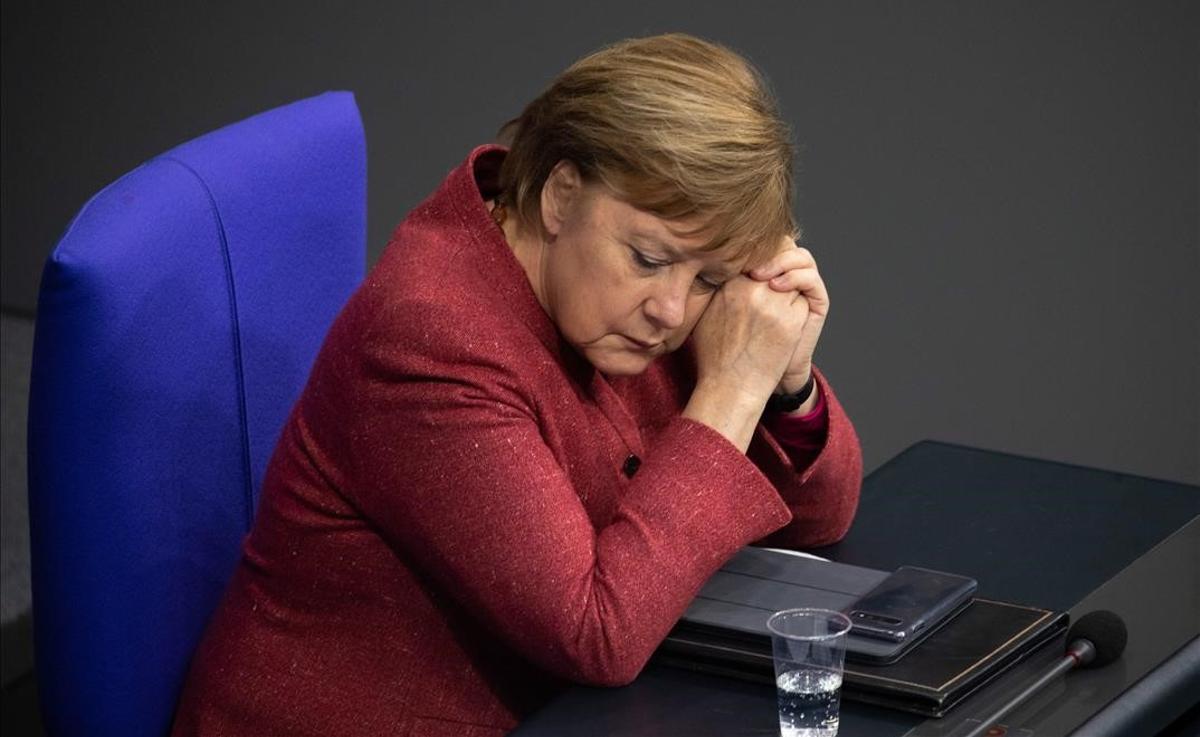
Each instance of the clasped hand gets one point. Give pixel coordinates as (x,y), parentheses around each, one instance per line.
(762,327)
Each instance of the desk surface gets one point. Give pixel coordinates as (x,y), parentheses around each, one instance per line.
(1036,532)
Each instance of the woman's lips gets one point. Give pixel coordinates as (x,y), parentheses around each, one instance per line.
(644,345)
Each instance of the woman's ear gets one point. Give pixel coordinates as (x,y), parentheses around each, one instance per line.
(560,194)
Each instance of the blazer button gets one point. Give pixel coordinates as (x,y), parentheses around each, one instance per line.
(632,464)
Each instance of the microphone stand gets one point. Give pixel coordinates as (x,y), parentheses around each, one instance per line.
(1081,652)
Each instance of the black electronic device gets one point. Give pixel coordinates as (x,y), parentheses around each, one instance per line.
(908,602)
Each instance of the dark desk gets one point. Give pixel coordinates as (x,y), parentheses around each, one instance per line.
(1036,532)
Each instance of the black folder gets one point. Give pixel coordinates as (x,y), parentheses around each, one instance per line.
(724,631)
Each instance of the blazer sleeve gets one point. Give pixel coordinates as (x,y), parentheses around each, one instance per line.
(441,449)
(823,496)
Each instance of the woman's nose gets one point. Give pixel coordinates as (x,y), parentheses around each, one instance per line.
(667,306)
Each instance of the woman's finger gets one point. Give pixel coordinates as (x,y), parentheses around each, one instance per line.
(798,279)
(807,282)
(792,258)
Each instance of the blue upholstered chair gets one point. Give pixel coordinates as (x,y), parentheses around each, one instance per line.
(177,320)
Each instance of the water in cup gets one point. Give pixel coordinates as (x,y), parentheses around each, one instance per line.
(808,702)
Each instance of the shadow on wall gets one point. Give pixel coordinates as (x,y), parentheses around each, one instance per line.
(16,334)
(20,707)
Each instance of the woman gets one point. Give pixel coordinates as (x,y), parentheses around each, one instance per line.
(578,380)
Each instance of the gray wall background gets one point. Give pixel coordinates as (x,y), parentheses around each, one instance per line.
(1002,195)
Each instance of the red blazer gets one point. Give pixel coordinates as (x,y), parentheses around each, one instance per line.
(447,532)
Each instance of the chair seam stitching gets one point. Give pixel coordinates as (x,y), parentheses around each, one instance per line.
(243,420)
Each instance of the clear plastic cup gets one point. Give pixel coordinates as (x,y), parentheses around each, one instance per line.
(809,646)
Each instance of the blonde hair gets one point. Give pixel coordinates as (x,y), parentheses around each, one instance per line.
(674,125)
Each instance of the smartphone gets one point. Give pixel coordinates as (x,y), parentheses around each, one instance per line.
(908,602)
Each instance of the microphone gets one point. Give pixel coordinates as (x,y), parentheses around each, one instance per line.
(1096,640)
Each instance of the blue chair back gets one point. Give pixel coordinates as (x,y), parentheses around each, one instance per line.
(177,321)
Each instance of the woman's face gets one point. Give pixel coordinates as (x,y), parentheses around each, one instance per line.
(618,282)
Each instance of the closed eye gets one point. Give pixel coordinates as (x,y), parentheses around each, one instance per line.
(707,285)
(644,261)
